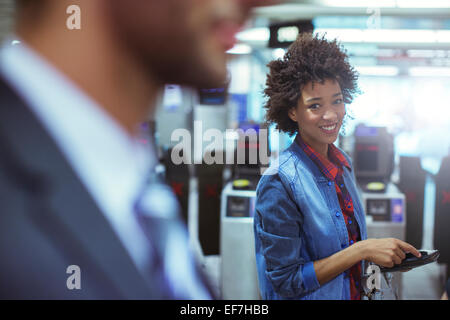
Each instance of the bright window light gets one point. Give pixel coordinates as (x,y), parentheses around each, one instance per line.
(278,53)
(429,102)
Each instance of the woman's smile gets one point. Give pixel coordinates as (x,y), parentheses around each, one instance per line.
(330,129)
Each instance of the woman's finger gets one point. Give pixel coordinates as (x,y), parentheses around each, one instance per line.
(406,247)
(396,259)
(399,252)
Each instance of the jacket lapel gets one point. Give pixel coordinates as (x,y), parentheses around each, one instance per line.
(62,207)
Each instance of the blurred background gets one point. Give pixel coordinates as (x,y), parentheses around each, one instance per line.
(398,134)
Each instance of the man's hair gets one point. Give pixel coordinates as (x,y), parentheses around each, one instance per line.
(34,5)
(28,12)
(309,59)
(20,4)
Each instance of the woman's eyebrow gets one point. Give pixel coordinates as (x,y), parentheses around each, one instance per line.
(320,98)
(313,99)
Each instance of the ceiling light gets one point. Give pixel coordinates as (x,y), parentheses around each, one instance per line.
(387,3)
(429,72)
(240,48)
(443,36)
(423,4)
(262,35)
(386,35)
(343,35)
(389,71)
(254,34)
(414,53)
(359,3)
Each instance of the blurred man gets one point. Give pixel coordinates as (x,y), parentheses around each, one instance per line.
(78,219)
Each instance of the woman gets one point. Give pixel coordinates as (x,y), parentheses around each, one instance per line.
(310,231)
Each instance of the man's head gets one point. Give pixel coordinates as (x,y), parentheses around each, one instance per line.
(177,41)
(181,41)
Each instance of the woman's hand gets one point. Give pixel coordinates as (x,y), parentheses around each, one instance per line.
(386,252)
(383,252)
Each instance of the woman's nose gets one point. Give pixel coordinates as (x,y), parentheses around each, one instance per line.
(330,115)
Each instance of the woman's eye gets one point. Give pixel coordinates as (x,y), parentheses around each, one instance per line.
(314,106)
(338,101)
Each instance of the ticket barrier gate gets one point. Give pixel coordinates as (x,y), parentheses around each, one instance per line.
(385,218)
(441,233)
(412,184)
(239,279)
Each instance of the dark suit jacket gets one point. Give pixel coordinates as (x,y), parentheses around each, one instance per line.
(48,221)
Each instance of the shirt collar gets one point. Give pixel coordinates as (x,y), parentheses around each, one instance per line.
(329,168)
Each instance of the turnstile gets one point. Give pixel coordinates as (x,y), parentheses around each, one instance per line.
(386,218)
(237,245)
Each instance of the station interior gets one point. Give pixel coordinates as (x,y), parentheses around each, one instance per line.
(398,134)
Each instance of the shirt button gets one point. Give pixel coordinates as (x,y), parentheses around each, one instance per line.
(349,221)
(342,185)
(351,241)
(330,183)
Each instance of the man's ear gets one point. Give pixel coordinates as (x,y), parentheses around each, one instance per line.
(292,113)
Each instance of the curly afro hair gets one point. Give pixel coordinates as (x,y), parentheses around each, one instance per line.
(309,58)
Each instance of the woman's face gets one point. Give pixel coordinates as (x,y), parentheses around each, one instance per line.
(319,114)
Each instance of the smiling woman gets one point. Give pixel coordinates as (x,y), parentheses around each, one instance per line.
(310,60)
(310,231)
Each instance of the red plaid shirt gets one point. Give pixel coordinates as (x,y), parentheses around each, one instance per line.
(333,170)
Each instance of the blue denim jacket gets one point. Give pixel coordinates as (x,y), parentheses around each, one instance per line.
(297,221)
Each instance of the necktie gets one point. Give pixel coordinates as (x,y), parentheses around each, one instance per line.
(171,270)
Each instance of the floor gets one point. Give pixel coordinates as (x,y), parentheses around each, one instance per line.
(424,283)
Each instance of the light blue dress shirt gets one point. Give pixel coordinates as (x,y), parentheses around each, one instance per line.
(110,163)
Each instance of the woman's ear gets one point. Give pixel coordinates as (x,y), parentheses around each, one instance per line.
(292,113)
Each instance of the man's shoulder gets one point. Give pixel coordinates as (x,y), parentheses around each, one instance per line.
(6,91)
(10,102)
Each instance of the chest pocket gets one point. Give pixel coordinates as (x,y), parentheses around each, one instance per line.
(323,230)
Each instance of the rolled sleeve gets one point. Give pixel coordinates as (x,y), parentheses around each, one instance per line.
(309,276)
(278,226)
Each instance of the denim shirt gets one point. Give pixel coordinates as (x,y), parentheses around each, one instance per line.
(297,221)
